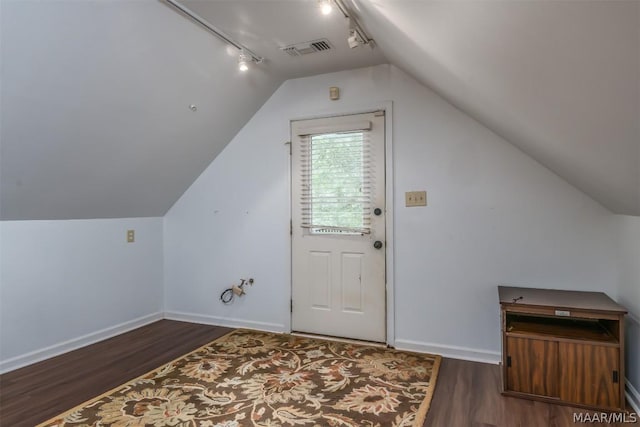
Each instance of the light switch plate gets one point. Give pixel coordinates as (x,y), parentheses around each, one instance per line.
(131,236)
(415,198)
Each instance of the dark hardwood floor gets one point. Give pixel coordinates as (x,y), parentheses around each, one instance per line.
(467,393)
(35,393)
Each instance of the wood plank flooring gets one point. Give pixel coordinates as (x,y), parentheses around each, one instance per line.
(35,393)
(467,393)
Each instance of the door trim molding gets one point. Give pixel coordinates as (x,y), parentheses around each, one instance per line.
(387,106)
(390,223)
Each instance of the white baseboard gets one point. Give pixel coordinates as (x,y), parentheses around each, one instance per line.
(463,353)
(633,396)
(224,321)
(453,352)
(76,343)
(632,393)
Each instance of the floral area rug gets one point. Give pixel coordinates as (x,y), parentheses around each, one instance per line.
(249,378)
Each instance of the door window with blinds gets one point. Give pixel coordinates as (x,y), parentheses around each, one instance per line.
(336,180)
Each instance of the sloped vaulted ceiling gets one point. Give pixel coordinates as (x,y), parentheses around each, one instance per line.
(560,79)
(95,99)
(95,107)
(95,96)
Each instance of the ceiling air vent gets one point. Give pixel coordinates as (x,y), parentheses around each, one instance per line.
(306,48)
(321,45)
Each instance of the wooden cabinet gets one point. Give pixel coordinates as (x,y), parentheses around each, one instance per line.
(590,374)
(532,366)
(563,346)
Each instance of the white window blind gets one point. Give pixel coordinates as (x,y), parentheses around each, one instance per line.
(336,182)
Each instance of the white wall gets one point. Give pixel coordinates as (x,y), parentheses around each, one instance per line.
(495,216)
(629,293)
(64,284)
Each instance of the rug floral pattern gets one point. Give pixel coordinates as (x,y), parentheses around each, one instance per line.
(250,378)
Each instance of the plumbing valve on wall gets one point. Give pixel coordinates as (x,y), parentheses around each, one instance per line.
(235,290)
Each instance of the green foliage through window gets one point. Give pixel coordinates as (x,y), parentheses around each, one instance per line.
(339,188)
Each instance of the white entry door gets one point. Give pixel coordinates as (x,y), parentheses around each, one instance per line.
(338,227)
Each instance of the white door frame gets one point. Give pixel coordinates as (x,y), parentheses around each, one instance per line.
(389,246)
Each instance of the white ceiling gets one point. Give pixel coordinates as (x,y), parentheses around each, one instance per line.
(94,95)
(267,25)
(559,79)
(94,98)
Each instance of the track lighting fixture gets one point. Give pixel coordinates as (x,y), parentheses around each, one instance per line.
(354,40)
(325,6)
(357,35)
(246,55)
(243,62)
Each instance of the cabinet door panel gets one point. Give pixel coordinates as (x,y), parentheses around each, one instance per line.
(534,366)
(586,374)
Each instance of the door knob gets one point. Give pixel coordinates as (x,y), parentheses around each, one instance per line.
(377,244)
(377,211)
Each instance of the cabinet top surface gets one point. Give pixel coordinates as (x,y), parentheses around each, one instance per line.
(556,298)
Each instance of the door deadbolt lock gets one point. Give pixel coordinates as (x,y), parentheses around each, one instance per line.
(377,244)
(377,211)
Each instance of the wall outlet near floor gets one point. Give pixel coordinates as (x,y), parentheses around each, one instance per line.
(131,236)
(415,198)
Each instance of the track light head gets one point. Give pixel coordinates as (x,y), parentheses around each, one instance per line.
(325,6)
(243,62)
(354,40)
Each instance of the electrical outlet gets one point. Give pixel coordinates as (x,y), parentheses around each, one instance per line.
(334,93)
(415,198)
(131,236)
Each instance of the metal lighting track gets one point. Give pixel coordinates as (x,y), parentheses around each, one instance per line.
(207,25)
(353,22)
